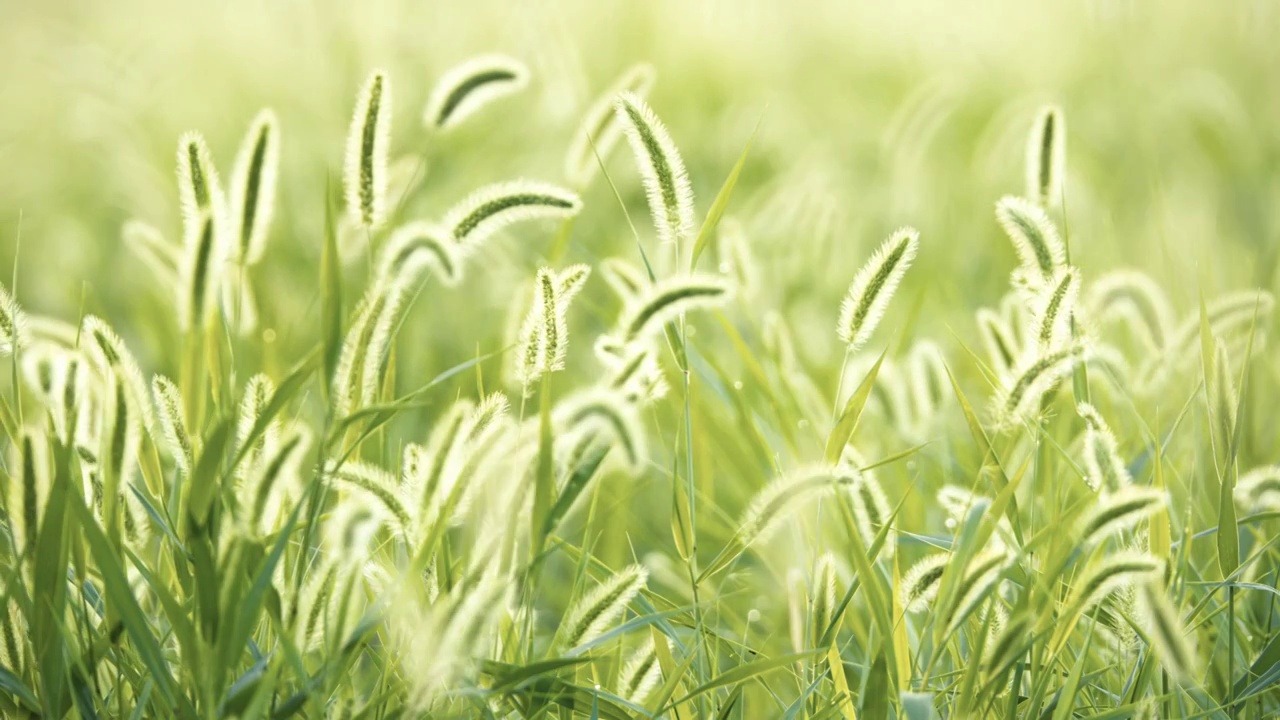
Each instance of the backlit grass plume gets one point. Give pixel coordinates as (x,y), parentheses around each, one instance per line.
(1020,397)
(662,169)
(600,129)
(202,266)
(368,146)
(645,315)
(641,674)
(1136,298)
(1259,489)
(999,341)
(543,339)
(469,87)
(920,584)
(199,190)
(594,613)
(494,207)
(1035,239)
(1167,633)
(873,287)
(172,415)
(253,188)
(773,504)
(1054,308)
(1046,157)
(1104,470)
(420,243)
(1119,511)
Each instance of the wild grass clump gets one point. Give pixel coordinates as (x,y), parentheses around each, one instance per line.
(522,456)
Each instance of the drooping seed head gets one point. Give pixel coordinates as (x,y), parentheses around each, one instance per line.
(1047,157)
(772,504)
(112,357)
(471,86)
(999,342)
(253,188)
(1112,572)
(368,147)
(610,412)
(600,129)
(873,287)
(1119,511)
(930,385)
(1259,489)
(642,673)
(645,315)
(494,207)
(1035,239)
(1167,632)
(379,490)
(420,243)
(662,169)
(625,278)
(1134,297)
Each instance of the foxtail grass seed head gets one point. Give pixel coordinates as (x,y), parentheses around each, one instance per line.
(644,316)
(625,278)
(543,339)
(610,411)
(1118,512)
(873,287)
(1167,633)
(920,584)
(112,358)
(638,376)
(378,490)
(1035,239)
(368,147)
(777,500)
(27,491)
(1259,489)
(161,257)
(201,276)
(870,508)
(172,414)
(1020,398)
(736,257)
(594,613)
(199,190)
(930,384)
(662,170)
(641,674)
(824,596)
(258,391)
(1054,309)
(467,88)
(494,207)
(1137,299)
(977,583)
(418,244)
(275,482)
(1047,157)
(253,188)
(999,341)
(1104,470)
(1113,571)
(13,326)
(600,129)
(1230,317)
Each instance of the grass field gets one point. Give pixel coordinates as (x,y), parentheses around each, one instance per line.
(685,360)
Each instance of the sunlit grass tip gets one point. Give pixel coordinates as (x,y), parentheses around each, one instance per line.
(1035,238)
(874,286)
(1047,157)
(368,146)
(467,88)
(1104,469)
(645,315)
(253,188)
(494,207)
(1119,511)
(662,169)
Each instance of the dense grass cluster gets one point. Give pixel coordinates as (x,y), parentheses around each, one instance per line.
(648,488)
